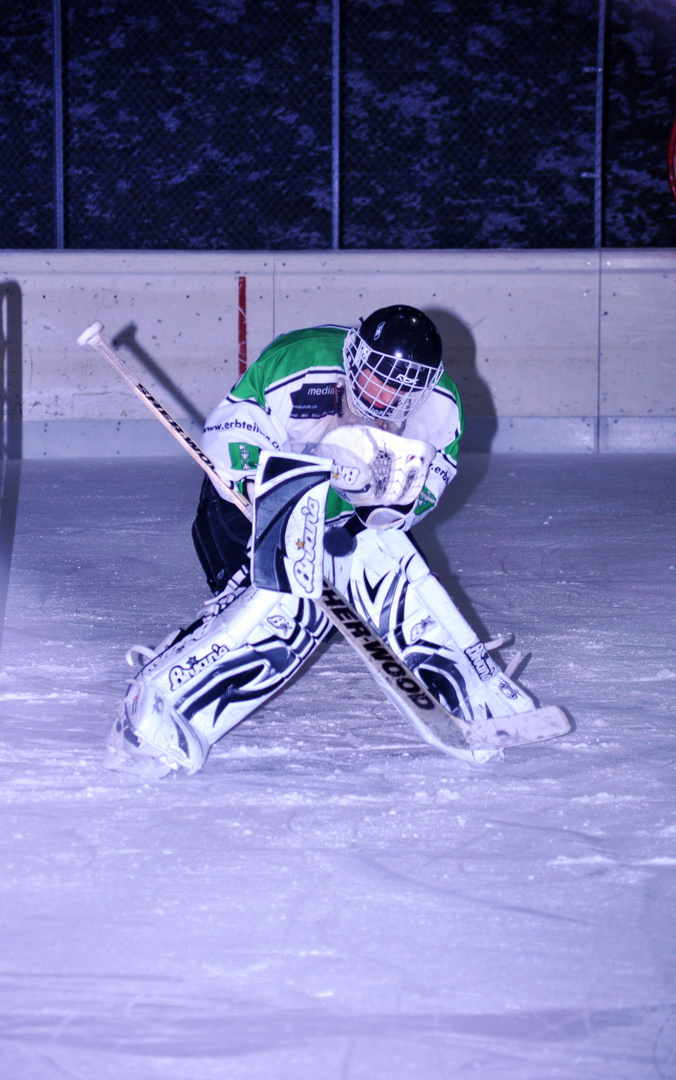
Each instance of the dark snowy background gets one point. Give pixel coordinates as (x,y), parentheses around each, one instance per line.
(206,124)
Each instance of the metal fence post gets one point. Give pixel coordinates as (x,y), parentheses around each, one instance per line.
(58,126)
(598,133)
(335,127)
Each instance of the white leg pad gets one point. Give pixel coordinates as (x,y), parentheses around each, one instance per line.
(210,679)
(391,586)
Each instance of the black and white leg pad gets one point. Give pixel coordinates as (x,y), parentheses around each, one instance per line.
(391,586)
(210,679)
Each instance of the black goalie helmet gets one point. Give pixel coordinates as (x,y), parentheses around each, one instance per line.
(392,363)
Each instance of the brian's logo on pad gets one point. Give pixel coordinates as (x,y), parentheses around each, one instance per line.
(305,569)
(315,400)
(194,665)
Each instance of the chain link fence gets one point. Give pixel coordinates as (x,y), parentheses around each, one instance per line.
(26,128)
(468,125)
(307,124)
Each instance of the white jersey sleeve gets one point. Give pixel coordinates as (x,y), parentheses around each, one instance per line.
(233,429)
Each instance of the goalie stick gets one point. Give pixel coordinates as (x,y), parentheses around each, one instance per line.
(476,740)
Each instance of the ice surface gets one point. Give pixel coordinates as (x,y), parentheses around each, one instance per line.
(330,898)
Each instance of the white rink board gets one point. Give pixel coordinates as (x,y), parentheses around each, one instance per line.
(552,350)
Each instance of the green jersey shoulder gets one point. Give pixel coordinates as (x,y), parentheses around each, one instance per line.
(287,357)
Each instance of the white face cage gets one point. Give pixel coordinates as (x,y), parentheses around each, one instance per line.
(384,387)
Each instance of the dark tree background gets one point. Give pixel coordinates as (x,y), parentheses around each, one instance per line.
(206,124)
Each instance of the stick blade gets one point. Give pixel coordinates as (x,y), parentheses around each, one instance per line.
(519,729)
(480,740)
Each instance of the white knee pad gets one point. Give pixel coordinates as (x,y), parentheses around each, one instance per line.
(210,679)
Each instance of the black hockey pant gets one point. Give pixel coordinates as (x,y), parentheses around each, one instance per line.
(220,533)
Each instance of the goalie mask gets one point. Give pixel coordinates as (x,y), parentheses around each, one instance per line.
(392,363)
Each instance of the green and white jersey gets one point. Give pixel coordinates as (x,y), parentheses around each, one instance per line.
(293,395)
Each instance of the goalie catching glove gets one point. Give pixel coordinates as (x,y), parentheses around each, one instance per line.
(373,467)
